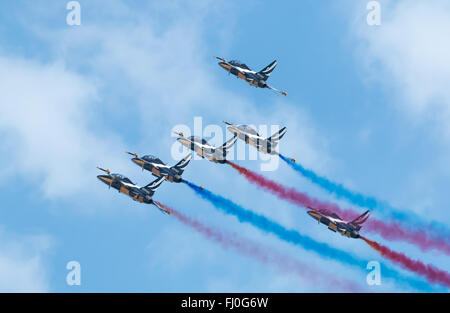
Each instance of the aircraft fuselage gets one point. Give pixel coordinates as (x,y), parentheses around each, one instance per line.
(204,150)
(260,143)
(335,225)
(159,170)
(131,190)
(249,76)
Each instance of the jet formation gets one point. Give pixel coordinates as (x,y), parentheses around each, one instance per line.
(256,79)
(201,147)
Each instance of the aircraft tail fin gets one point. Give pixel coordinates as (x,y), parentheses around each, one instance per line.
(277,136)
(227,145)
(180,166)
(265,72)
(357,222)
(154,185)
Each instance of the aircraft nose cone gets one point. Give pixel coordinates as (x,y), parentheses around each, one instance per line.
(137,161)
(224,65)
(102,178)
(313,214)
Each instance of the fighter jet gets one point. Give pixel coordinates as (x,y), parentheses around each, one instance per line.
(126,186)
(242,71)
(205,150)
(251,137)
(159,169)
(337,224)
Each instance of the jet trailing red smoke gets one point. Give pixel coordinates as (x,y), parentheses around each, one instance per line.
(265,255)
(388,230)
(430,272)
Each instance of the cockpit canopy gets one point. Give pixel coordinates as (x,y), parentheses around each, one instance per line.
(198,140)
(248,129)
(329,213)
(152,158)
(122,178)
(238,63)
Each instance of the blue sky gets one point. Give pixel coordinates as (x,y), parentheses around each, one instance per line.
(366,106)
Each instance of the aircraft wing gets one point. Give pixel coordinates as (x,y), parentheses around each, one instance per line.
(158,165)
(162,209)
(150,188)
(132,191)
(284,93)
(181,165)
(259,142)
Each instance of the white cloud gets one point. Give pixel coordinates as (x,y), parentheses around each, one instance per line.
(413,49)
(45,120)
(21,263)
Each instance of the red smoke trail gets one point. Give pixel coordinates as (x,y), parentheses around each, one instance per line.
(395,231)
(388,230)
(264,255)
(432,273)
(288,193)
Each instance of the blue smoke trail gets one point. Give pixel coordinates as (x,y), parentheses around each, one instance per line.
(294,237)
(365,201)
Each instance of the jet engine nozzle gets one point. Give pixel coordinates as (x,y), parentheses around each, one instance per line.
(179,134)
(177,178)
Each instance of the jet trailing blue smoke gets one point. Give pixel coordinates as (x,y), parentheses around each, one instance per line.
(371,203)
(263,223)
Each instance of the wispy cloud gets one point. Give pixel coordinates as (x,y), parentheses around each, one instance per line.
(47,117)
(21,263)
(409,53)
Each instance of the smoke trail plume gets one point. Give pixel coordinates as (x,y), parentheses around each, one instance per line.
(266,255)
(395,231)
(439,229)
(388,230)
(292,236)
(430,272)
(290,194)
